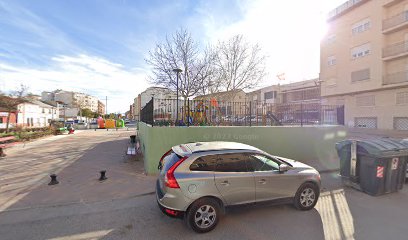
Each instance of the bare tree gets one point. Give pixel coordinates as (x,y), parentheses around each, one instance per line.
(238,64)
(180,51)
(78,101)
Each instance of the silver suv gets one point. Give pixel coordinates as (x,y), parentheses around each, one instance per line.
(198,180)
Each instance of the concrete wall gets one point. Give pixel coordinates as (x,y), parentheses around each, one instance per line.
(311,145)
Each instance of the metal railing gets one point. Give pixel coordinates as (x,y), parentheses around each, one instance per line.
(252,113)
(394,21)
(395,49)
(146,114)
(343,8)
(393,78)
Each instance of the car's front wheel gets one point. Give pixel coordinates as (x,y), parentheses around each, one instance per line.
(203,215)
(306,196)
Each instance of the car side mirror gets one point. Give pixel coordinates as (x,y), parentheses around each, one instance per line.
(283,168)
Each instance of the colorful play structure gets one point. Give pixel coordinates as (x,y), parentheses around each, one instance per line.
(198,114)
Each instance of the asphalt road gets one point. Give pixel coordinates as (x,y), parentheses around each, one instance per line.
(123,210)
(340,214)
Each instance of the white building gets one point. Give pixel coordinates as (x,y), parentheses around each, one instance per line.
(157,93)
(35,113)
(72,99)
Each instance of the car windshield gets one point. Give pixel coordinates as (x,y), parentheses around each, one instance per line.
(169,161)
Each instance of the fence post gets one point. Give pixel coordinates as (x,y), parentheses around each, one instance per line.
(250,113)
(301,114)
(188,113)
(152,115)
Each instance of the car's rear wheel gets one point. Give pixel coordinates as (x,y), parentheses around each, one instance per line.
(306,196)
(203,215)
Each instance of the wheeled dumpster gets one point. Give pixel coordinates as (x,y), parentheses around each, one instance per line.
(375,166)
(110,123)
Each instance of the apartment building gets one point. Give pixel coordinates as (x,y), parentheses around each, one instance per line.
(72,99)
(156,92)
(364,63)
(136,107)
(101,108)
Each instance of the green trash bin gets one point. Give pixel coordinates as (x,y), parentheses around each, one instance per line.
(375,166)
(120,123)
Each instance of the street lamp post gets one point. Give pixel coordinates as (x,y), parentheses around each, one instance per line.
(177,71)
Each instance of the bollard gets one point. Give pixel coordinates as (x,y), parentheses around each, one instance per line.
(102,177)
(53,179)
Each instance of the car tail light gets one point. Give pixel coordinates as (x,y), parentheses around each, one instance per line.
(170,180)
(161,159)
(171,212)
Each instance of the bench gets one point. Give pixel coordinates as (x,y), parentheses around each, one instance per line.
(6,142)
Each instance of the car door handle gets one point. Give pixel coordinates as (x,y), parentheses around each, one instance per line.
(262,181)
(225,183)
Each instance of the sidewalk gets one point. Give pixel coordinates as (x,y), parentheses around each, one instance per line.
(37,142)
(77,161)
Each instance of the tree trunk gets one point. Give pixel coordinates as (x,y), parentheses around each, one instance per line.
(8,121)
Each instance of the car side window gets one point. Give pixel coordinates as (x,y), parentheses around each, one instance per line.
(260,162)
(205,163)
(233,162)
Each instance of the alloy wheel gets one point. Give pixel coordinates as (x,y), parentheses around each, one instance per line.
(205,216)
(307,197)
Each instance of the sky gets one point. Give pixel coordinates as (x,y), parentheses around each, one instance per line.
(99,47)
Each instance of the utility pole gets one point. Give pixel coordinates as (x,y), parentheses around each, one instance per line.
(106,105)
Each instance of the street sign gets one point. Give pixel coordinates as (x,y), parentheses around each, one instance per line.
(394,164)
(353,159)
(380,171)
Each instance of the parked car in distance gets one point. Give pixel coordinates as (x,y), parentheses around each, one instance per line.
(197,181)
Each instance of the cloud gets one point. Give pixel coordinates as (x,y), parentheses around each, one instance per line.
(39,30)
(89,74)
(289,32)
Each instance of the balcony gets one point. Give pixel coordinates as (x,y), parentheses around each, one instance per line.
(344,8)
(395,23)
(390,3)
(395,78)
(395,51)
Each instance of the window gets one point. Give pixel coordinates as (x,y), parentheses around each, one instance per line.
(360,75)
(361,26)
(206,163)
(259,162)
(400,123)
(231,163)
(270,95)
(360,51)
(331,39)
(169,161)
(365,101)
(331,60)
(1,120)
(402,98)
(365,122)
